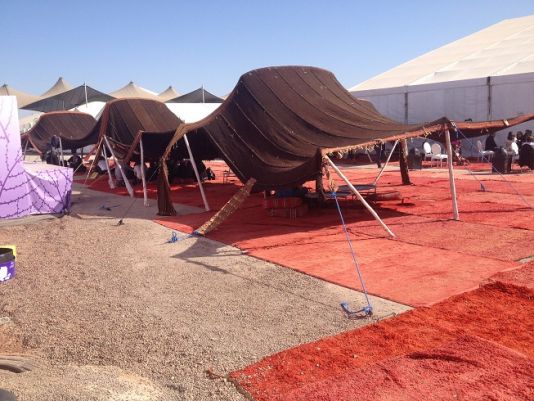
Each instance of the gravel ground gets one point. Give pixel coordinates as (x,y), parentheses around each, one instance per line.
(113,312)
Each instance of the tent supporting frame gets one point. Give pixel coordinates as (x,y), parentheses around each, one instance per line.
(111,182)
(386,163)
(191,157)
(143,176)
(119,166)
(358,195)
(452,182)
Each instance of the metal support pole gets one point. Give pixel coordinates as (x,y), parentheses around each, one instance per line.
(143,177)
(369,156)
(111,182)
(452,183)
(117,165)
(206,205)
(62,162)
(360,197)
(25,149)
(386,163)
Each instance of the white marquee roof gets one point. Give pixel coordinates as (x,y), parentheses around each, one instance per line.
(506,48)
(133,90)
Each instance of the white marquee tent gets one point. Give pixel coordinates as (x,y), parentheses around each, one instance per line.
(488,75)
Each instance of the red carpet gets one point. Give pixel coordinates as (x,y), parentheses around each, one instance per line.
(432,257)
(467,368)
(469,345)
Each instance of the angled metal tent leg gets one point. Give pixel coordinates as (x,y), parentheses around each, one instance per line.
(118,165)
(97,152)
(386,163)
(206,205)
(62,160)
(452,183)
(360,197)
(110,178)
(143,177)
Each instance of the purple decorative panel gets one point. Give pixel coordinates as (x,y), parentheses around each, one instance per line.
(27,188)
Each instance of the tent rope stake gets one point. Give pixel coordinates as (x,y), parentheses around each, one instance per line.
(366,310)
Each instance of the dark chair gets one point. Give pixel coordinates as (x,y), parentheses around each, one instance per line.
(526,156)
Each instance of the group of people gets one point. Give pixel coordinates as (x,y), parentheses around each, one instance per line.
(518,144)
(514,141)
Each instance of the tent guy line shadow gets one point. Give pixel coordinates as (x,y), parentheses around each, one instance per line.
(263,284)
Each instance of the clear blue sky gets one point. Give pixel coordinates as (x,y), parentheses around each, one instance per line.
(190,43)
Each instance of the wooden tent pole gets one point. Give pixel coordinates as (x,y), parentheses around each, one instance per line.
(117,165)
(206,205)
(360,197)
(403,163)
(386,163)
(143,177)
(452,183)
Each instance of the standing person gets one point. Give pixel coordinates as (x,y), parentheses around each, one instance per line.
(511,144)
(379,151)
(490,142)
(519,139)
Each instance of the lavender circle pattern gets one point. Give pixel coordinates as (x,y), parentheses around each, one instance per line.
(40,189)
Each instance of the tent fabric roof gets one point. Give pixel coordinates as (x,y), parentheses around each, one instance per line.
(60,86)
(167,94)
(506,48)
(23,98)
(123,121)
(74,129)
(69,99)
(132,90)
(279,121)
(199,95)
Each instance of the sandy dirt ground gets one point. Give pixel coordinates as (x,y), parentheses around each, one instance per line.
(114,312)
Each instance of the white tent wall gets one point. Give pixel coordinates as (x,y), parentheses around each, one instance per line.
(467,100)
(512,95)
(476,99)
(93,108)
(192,112)
(484,76)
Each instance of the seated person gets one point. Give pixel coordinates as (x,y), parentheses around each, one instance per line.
(101,166)
(526,152)
(51,156)
(128,172)
(75,162)
(138,172)
(490,142)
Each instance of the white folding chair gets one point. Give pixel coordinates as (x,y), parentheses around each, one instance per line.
(427,151)
(437,155)
(482,153)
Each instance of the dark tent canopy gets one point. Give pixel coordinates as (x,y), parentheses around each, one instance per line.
(278,122)
(68,99)
(124,121)
(74,128)
(199,95)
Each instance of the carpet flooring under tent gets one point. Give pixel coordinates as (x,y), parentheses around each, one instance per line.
(432,257)
(475,346)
